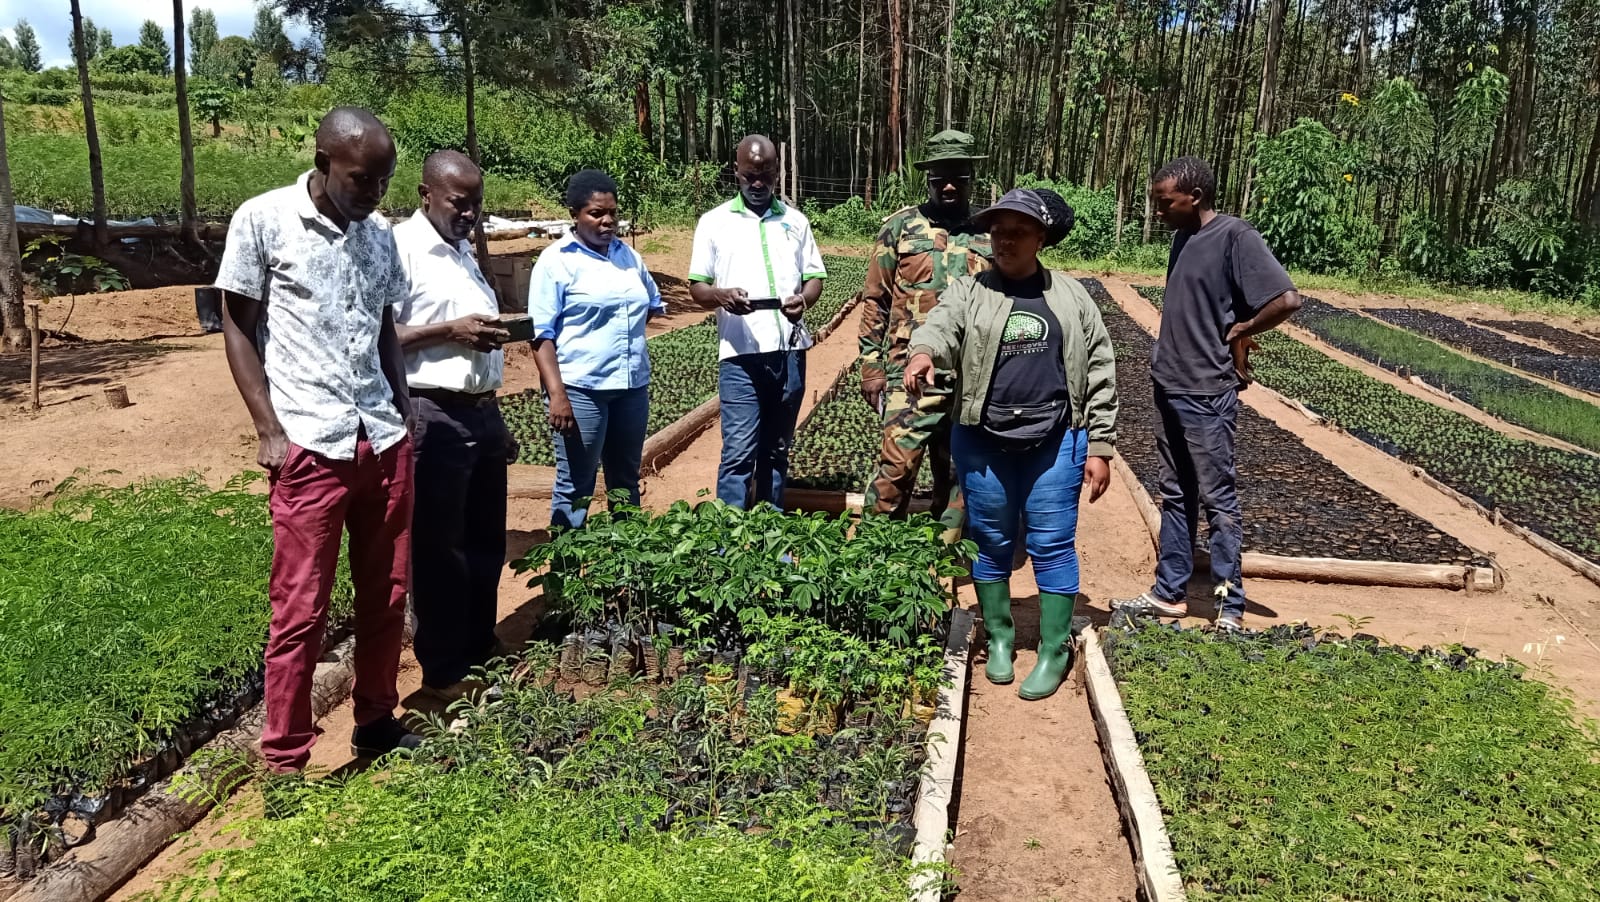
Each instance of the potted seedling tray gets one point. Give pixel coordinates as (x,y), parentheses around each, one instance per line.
(1304,518)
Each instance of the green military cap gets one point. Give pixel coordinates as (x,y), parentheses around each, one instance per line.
(950,146)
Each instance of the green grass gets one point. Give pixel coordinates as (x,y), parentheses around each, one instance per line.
(1350,770)
(122,612)
(51,172)
(1495,391)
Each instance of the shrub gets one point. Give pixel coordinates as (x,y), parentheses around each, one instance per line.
(850,219)
(1305,201)
(1094,233)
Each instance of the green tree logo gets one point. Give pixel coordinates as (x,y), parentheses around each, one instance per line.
(1021,326)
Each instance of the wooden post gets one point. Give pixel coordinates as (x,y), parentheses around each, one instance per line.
(33,333)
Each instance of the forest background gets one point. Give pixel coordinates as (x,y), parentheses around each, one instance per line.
(1391,142)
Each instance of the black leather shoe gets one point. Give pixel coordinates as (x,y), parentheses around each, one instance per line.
(379,738)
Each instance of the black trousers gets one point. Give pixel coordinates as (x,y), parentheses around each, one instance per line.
(458,535)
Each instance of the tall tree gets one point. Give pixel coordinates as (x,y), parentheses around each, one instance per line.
(86,42)
(28,58)
(107,44)
(97,178)
(8,54)
(268,36)
(152,38)
(12,328)
(1269,87)
(202,37)
(190,218)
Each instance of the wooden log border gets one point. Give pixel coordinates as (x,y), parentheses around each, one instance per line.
(932,817)
(125,843)
(1154,865)
(662,446)
(1329,570)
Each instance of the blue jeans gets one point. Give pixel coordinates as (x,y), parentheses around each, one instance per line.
(1001,485)
(761,396)
(1195,442)
(611,425)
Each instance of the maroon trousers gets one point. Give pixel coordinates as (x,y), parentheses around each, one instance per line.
(313,499)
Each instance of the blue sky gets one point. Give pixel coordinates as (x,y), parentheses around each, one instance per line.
(52,20)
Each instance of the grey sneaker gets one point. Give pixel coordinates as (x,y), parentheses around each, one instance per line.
(1230,622)
(1148,603)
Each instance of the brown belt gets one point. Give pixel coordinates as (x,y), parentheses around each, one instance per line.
(445,396)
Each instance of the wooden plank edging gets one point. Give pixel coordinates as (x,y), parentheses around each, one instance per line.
(1328,570)
(1582,565)
(932,817)
(124,844)
(1154,865)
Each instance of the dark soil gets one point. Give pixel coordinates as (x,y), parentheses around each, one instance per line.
(1578,372)
(1576,344)
(1295,503)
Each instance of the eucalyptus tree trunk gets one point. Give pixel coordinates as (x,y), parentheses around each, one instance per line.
(189,215)
(896,65)
(97,179)
(1269,90)
(13,331)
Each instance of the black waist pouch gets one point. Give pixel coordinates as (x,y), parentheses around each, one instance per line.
(1021,427)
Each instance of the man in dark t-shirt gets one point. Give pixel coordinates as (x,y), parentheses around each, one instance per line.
(1223,286)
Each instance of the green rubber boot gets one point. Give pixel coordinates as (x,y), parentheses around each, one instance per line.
(1055,651)
(994,598)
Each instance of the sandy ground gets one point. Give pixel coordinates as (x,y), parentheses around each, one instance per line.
(1034,816)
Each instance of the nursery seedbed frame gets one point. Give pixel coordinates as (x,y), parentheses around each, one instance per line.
(1564,341)
(805,498)
(937,789)
(1154,865)
(1462,569)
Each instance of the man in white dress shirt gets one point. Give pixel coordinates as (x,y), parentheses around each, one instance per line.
(449,329)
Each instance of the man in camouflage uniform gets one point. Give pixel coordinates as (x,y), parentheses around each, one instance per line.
(921,250)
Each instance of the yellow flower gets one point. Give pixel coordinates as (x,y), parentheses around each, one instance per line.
(1348,177)
(1349,98)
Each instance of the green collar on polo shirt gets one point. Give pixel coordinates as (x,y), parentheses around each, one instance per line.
(777,208)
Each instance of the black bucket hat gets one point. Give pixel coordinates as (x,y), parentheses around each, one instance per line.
(1055,214)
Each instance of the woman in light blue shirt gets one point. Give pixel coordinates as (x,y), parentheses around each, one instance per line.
(589,300)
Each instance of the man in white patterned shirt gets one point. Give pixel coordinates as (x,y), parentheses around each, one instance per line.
(451,336)
(309,276)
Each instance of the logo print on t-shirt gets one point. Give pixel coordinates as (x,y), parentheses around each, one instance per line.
(1024,326)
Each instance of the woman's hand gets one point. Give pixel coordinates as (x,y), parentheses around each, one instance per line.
(1096,477)
(919,373)
(561,418)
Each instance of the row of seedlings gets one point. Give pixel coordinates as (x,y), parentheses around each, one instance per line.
(132,626)
(1575,371)
(1493,390)
(760,734)
(1318,766)
(1550,491)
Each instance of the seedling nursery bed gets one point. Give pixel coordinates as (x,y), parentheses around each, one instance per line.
(836,449)
(1552,493)
(737,704)
(1296,503)
(1314,766)
(1562,340)
(132,624)
(1576,371)
(1497,392)
(683,373)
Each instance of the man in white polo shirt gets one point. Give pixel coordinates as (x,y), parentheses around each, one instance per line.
(755,258)
(449,329)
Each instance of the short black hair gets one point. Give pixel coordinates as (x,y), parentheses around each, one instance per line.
(1062,216)
(586,184)
(1192,174)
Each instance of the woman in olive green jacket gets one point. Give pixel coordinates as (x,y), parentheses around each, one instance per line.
(1036,420)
